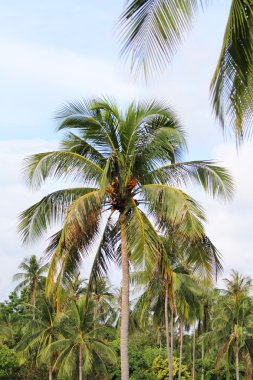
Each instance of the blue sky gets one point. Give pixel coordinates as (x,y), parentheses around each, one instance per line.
(55,51)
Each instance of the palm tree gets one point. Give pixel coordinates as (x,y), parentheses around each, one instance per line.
(206,300)
(129,169)
(40,333)
(80,346)
(104,298)
(232,322)
(72,287)
(32,277)
(151,31)
(170,284)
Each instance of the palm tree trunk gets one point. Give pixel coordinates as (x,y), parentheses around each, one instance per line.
(124,302)
(171,344)
(180,350)
(33,304)
(237,360)
(167,324)
(50,373)
(193,353)
(80,364)
(202,357)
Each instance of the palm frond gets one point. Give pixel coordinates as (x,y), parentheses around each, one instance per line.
(214,179)
(231,85)
(143,240)
(52,209)
(151,31)
(80,228)
(59,165)
(106,252)
(204,256)
(171,206)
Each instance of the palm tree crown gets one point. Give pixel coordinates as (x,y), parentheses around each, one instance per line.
(130,164)
(31,275)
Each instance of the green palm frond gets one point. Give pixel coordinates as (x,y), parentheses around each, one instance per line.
(172,206)
(107,252)
(232,81)
(214,179)
(80,228)
(60,164)
(97,123)
(204,257)
(144,243)
(151,31)
(78,144)
(50,210)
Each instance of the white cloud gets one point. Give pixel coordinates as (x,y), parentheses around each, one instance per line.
(15,197)
(64,68)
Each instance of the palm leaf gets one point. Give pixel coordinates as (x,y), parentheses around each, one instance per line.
(80,228)
(151,31)
(232,80)
(144,243)
(60,164)
(171,206)
(52,209)
(214,179)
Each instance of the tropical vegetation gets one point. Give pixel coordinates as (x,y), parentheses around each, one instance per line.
(78,342)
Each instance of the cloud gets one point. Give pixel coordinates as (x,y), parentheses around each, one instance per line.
(15,197)
(64,68)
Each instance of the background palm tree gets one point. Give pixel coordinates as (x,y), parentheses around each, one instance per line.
(129,167)
(80,346)
(232,323)
(32,277)
(151,31)
(39,334)
(170,284)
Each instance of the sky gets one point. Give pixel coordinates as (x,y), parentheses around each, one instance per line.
(57,51)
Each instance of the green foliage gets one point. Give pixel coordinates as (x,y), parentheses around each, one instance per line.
(9,366)
(161,369)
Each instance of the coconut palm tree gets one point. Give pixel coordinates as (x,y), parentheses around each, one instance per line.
(80,346)
(151,31)
(170,284)
(206,301)
(232,323)
(128,169)
(104,298)
(31,277)
(40,333)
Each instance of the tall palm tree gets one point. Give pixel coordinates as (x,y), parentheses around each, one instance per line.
(32,276)
(151,31)
(170,284)
(128,168)
(206,300)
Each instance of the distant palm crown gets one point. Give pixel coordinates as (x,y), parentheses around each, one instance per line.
(126,164)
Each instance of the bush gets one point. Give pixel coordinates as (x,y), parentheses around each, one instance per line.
(9,366)
(161,370)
